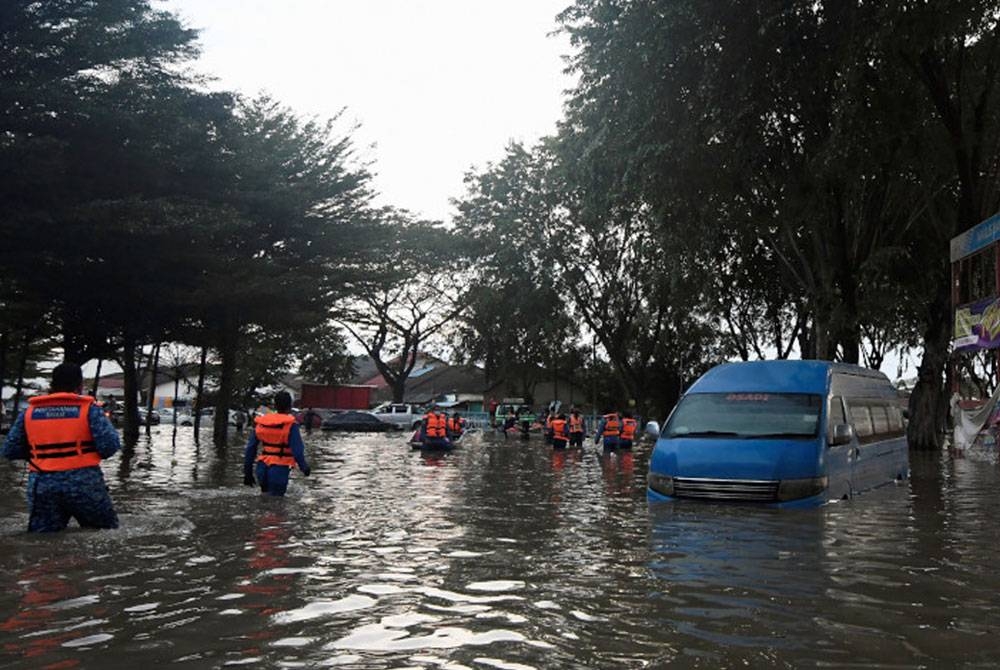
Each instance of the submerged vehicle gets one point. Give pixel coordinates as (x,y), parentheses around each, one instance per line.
(785,433)
(358,422)
(401,415)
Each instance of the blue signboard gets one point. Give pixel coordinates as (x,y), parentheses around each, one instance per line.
(978,237)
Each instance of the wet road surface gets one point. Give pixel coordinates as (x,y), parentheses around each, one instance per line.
(498,555)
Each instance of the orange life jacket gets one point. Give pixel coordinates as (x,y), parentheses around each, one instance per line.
(435,425)
(272,432)
(575,424)
(456,426)
(612,425)
(559,429)
(628,429)
(58,431)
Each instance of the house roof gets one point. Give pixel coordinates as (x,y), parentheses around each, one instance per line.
(366,372)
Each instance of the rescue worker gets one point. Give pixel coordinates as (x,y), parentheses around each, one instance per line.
(281,448)
(526,418)
(435,430)
(560,432)
(456,426)
(628,431)
(609,430)
(547,430)
(510,421)
(576,428)
(64,436)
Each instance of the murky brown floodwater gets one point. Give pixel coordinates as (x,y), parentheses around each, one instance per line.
(499,555)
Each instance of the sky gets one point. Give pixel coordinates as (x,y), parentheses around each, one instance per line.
(439,87)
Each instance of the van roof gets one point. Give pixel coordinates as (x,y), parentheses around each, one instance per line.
(777,377)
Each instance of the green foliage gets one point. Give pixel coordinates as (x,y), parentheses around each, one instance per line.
(324,356)
(405,298)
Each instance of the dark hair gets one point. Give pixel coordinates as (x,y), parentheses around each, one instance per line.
(283,401)
(67,378)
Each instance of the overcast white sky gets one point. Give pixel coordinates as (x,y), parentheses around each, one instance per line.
(438,86)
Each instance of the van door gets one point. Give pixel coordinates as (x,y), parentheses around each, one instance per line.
(881,446)
(839,457)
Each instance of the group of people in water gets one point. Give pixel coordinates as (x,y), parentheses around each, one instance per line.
(65,435)
(438,430)
(616,430)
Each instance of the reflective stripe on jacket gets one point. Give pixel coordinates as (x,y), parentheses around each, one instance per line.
(612,425)
(434,425)
(272,432)
(575,424)
(58,431)
(629,427)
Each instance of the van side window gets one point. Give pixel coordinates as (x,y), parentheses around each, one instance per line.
(880,419)
(895,420)
(861,418)
(836,415)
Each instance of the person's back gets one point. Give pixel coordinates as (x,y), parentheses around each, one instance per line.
(435,429)
(278,435)
(576,429)
(64,436)
(560,431)
(609,430)
(629,427)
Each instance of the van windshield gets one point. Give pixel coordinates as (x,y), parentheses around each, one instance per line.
(746,415)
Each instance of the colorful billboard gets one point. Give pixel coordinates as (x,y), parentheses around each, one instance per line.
(977,325)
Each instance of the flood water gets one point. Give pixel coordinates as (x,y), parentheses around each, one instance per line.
(498,555)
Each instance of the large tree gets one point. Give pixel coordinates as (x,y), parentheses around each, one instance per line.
(407,296)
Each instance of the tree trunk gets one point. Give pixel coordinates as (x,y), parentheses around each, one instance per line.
(74,341)
(3,367)
(198,405)
(152,388)
(399,389)
(97,378)
(848,331)
(22,363)
(227,351)
(130,390)
(928,407)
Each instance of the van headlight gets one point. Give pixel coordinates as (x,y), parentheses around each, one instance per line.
(662,484)
(793,489)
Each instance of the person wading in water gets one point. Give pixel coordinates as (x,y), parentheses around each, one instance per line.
(282,448)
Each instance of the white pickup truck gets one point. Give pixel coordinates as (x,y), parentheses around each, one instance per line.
(402,415)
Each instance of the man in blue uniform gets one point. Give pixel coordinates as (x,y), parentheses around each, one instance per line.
(609,429)
(64,436)
(281,448)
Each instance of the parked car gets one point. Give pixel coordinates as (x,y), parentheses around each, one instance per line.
(354,421)
(118,416)
(314,416)
(400,415)
(167,416)
(208,415)
(147,417)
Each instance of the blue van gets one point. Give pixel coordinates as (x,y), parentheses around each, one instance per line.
(785,433)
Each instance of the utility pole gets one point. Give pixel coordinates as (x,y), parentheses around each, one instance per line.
(593,377)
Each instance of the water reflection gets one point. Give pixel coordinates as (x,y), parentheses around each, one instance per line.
(496,555)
